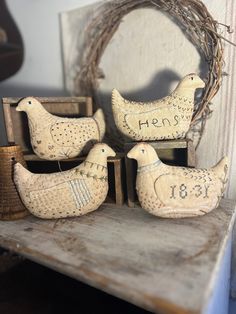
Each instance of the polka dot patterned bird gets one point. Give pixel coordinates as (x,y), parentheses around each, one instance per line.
(57,138)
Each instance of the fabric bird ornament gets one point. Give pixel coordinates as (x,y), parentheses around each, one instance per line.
(74,192)
(57,138)
(176,192)
(163,119)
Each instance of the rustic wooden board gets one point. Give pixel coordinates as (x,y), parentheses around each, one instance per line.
(166,266)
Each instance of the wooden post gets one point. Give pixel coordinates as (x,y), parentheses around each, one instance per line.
(3,134)
(89,107)
(191,154)
(119,194)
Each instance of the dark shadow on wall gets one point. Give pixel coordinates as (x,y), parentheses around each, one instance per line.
(158,87)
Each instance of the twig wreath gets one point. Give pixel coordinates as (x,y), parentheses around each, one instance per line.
(196,22)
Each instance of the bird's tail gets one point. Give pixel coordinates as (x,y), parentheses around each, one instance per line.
(21,174)
(221,170)
(116,98)
(100,119)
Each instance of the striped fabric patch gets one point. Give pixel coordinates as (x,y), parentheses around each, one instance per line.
(80,193)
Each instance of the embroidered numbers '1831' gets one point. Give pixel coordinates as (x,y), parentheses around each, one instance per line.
(183,191)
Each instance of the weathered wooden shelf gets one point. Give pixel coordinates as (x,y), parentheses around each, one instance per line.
(166,266)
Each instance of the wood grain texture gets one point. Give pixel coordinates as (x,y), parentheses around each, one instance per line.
(166,266)
(8,122)
(15,100)
(118,173)
(191,154)
(162,144)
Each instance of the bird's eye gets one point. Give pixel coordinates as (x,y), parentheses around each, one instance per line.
(29,102)
(143,151)
(192,78)
(103,150)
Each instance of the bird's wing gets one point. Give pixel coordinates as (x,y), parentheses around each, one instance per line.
(73,133)
(201,176)
(63,195)
(81,192)
(174,189)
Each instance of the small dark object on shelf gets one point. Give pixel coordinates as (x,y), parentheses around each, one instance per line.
(11,206)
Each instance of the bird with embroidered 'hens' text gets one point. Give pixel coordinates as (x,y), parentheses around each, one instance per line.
(163,119)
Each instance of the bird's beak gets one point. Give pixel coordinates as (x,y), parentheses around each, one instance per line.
(202,84)
(112,153)
(131,154)
(18,108)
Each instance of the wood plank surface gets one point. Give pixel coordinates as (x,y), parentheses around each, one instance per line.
(166,266)
(15,100)
(33,157)
(183,143)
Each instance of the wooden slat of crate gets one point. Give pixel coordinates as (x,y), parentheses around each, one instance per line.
(165,151)
(117,168)
(162,265)
(17,124)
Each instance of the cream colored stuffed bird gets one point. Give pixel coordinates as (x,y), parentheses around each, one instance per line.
(69,193)
(57,138)
(176,192)
(166,118)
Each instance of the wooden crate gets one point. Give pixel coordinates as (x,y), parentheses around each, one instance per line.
(167,153)
(17,123)
(17,132)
